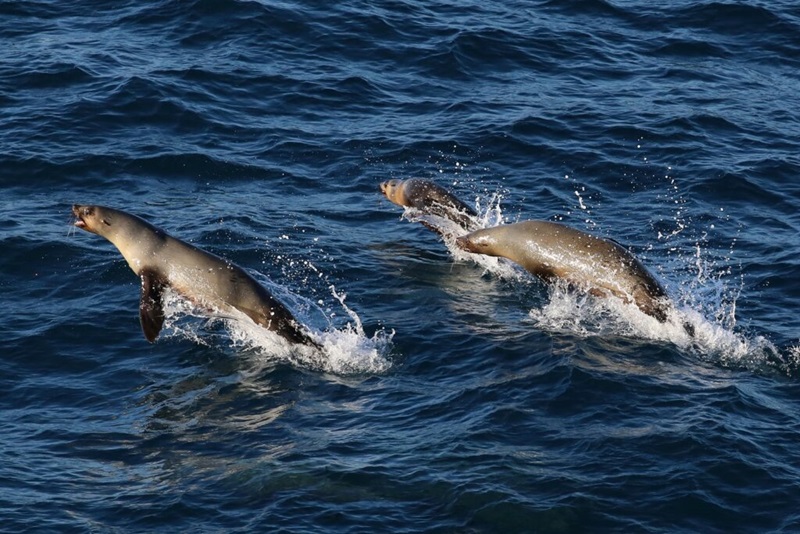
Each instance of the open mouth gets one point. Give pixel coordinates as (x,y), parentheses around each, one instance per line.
(79,222)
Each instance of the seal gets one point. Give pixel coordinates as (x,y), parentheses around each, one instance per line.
(555,251)
(161,261)
(429,199)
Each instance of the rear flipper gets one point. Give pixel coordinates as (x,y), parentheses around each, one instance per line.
(281,321)
(657,308)
(660,309)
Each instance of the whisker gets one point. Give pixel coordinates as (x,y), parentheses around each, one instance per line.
(71,228)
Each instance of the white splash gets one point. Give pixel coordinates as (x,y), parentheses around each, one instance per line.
(580,201)
(793,356)
(577,313)
(345,349)
(349,350)
(489,214)
(703,321)
(705,304)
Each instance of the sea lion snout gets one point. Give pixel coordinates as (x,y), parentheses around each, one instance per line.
(80,212)
(388,187)
(477,242)
(465,243)
(93,219)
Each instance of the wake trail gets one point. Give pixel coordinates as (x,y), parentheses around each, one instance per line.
(705,303)
(345,349)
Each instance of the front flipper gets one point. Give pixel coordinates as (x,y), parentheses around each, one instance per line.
(151,305)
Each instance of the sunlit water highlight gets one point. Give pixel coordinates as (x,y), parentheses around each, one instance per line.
(457,394)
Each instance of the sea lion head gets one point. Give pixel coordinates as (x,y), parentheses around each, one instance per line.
(115,225)
(419,193)
(95,219)
(482,241)
(394,191)
(429,198)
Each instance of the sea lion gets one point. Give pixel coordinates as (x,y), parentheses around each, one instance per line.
(551,251)
(161,260)
(430,199)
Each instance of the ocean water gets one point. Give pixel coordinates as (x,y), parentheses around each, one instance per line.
(454,393)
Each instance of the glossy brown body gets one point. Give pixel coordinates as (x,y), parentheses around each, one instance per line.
(209,281)
(552,251)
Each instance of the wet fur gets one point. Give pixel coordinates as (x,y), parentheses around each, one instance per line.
(161,261)
(429,199)
(556,251)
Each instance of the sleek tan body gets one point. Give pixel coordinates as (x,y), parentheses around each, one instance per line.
(430,199)
(207,280)
(551,251)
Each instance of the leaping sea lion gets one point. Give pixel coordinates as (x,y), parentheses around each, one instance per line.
(552,250)
(430,199)
(161,260)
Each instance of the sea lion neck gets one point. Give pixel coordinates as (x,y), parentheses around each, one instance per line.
(135,238)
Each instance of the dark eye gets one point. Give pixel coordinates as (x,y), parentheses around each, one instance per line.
(106,222)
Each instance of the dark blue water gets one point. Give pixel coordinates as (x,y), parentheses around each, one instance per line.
(453,395)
